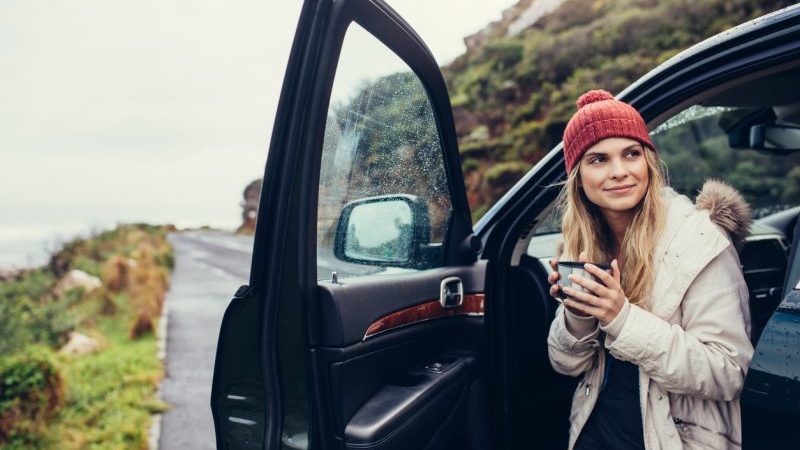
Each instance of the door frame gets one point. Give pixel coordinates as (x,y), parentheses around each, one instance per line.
(284,274)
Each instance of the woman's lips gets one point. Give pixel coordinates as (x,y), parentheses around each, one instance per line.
(620,190)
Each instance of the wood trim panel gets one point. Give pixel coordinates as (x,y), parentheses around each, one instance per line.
(471,306)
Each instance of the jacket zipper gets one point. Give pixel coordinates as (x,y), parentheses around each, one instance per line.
(587,388)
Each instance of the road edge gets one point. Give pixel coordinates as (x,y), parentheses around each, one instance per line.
(154,433)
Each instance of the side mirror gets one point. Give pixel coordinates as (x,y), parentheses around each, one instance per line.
(387,230)
(776,138)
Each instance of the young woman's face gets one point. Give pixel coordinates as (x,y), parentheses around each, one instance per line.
(614,175)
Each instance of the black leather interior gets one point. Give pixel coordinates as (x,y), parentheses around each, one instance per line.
(405,413)
(541,395)
(387,392)
(764,265)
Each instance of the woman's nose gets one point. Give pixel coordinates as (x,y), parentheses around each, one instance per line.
(618,169)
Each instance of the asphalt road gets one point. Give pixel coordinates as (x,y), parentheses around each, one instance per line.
(209,267)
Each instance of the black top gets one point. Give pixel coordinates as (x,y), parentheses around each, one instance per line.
(616,420)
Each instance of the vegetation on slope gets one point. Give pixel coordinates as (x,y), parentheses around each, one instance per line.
(102,398)
(513,96)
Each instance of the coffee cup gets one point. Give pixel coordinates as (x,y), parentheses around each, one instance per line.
(567,268)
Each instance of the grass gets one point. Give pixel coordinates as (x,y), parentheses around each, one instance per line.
(110,395)
(106,398)
(109,399)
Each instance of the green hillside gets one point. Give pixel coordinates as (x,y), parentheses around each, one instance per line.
(513,95)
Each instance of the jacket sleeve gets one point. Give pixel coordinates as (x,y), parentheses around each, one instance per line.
(708,355)
(572,342)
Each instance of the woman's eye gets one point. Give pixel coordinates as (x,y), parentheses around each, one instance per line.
(633,153)
(596,159)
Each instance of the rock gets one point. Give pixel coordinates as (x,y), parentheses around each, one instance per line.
(249,205)
(80,344)
(479,133)
(11,274)
(531,14)
(514,20)
(75,279)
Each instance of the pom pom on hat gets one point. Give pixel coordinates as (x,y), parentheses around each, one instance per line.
(596,95)
(601,116)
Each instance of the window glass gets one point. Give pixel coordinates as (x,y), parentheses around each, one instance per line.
(382,183)
(712,142)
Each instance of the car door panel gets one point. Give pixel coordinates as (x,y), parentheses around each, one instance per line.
(349,309)
(381,393)
(355,374)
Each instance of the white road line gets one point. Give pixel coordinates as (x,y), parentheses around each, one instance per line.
(220,242)
(219,271)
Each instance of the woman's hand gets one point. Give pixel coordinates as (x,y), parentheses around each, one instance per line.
(603,301)
(554,288)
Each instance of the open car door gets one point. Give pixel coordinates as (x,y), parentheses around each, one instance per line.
(771,394)
(362,325)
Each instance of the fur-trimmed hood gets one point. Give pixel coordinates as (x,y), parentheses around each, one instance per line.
(727,208)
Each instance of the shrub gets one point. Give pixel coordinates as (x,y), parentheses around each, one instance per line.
(473,150)
(148,286)
(469,165)
(504,53)
(31,392)
(506,173)
(115,273)
(14,330)
(29,314)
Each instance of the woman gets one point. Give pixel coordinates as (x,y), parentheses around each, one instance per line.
(662,342)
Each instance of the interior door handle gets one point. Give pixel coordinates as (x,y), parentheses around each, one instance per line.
(451,294)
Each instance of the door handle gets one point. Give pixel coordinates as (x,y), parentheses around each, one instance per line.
(451,294)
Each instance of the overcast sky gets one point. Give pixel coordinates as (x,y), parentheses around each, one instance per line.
(157,111)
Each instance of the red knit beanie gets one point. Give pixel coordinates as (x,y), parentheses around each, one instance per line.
(601,116)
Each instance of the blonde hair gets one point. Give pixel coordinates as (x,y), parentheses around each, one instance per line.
(584,228)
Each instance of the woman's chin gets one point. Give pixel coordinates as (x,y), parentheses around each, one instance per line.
(620,206)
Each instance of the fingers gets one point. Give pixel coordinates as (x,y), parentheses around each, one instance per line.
(553,277)
(615,271)
(597,288)
(602,275)
(582,307)
(582,297)
(582,257)
(554,291)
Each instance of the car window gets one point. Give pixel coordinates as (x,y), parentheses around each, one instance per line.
(711,142)
(381,139)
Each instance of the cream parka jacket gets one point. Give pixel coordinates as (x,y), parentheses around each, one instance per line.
(692,344)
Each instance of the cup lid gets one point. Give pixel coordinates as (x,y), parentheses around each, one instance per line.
(578,264)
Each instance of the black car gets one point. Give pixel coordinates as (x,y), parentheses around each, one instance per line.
(378,317)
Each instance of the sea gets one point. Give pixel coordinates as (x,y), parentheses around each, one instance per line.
(31,246)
